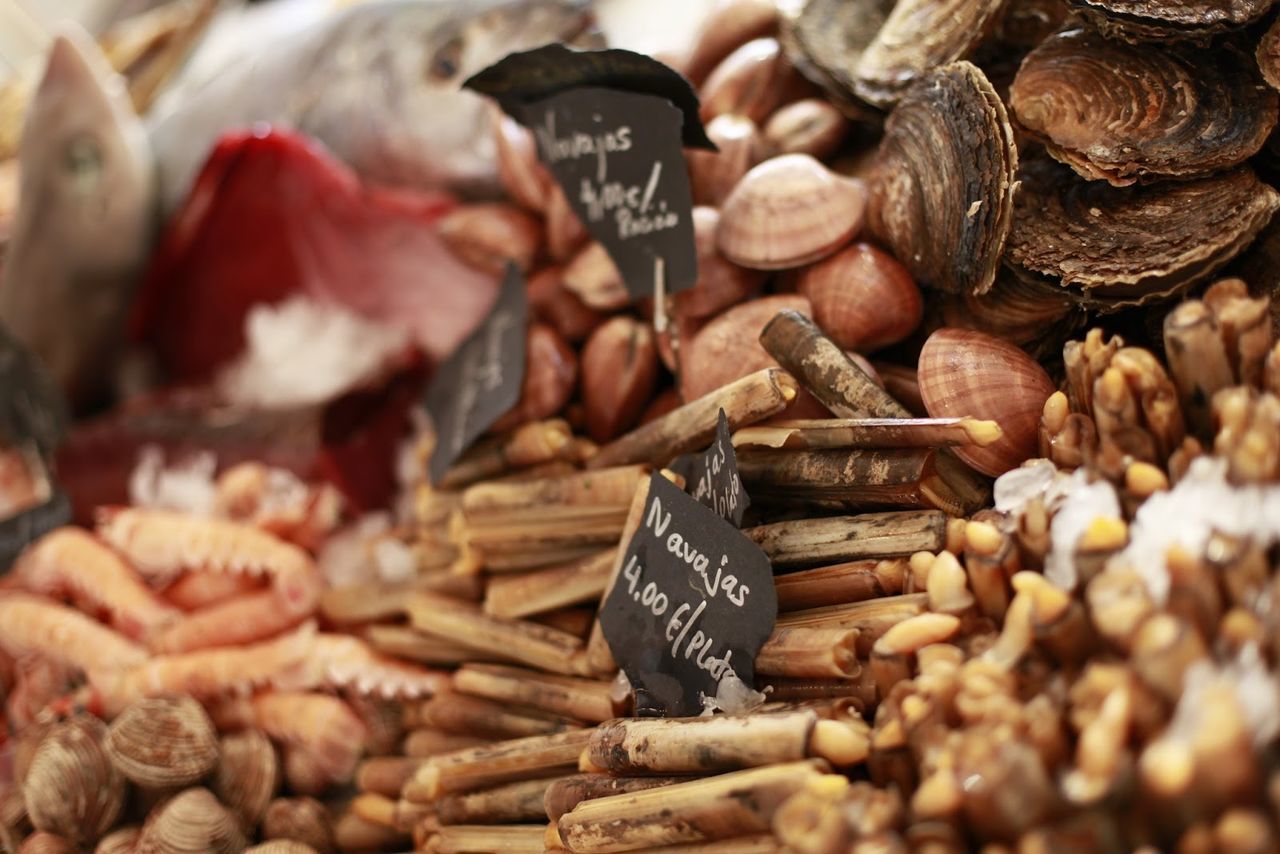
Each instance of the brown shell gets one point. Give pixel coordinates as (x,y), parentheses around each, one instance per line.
(487,235)
(824,40)
(809,126)
(789,211)
(1160,20)
(1129,246)
(1031,314)
(163,742)
(303,772)
(942,190)
(1120,112)
(71,788)
(714,174)
(122,840)
(753,81)
(523,176)
(721,283)
(281,846)
(550,376)
(728,26)
(45,843)
(966,373)
(593,278)
(1268,55)
(247,775)
(917,37)
(619,373)
(191,821)
(554,304)
(862,298)
(303,819)
(728,348)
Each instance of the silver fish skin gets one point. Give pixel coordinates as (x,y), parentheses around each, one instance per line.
(85,219)
(378,84)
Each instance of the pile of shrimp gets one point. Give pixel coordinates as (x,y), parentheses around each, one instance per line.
(220,605)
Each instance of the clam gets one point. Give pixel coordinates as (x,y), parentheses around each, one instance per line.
(721,283)
(71,788)
(303,819)
(247,775)
(551,372)
(554,304)
(727,348)
(304,774)
(122,840)
(862,298)
(714,174)
(753,81)
(809,126)
(163,742)
(1121,113)
(523,176)
(565,232)
(789,211)
(1125,246)
(193,821)
(593,278)
(41,842)
(488,235)
(281,846)
(619,373)
(966,373)
(1159,20)
(728,26)
(942,189)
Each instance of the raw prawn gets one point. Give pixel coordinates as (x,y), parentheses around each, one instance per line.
(277,501)
(161,543)
(34,625)
(342,661)
(319,727)
(73,563)
(196,590)
(212,673)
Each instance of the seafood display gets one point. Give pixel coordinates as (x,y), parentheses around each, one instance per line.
(982,362)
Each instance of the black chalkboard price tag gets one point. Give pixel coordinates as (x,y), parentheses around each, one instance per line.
(692,606)
(711,477)
(482,379)
(618,157)
(33,421)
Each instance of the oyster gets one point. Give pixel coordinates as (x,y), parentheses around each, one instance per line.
(163,742)
(1157,20)
(71,787)
(1268,55)
(942,187)
(824,40)
(1032,314)
(1122,113)
(1127,246)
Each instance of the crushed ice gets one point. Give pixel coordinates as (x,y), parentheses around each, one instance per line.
(186,485)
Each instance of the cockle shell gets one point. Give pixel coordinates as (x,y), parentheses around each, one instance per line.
(862,298)
(753,81)
(303,772)
(489,235)
(809,126)
(122,840)
(721,283)
(789,211)
(967,373)
(594,278)
(523,176)
(281,846)
(303,819)
(728,26)
(554,304)
(551,372)
(728,348)
(163,742)
(714,174)
(247,775)
(41,842)
(191,821)
(619,373)
(71,787)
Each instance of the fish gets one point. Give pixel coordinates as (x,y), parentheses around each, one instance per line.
(85,219)
(378,84)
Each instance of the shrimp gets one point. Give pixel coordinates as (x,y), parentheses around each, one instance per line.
(196,590)
(277,501)
(213,673)
(342,661)
(32,625)
(72,562)
(161,543)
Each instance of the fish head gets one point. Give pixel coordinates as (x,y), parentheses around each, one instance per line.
(428,130)
(85,170)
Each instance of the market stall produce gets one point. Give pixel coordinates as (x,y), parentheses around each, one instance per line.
(877,452)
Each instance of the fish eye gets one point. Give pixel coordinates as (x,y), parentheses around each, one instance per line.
(447,59)
(83,159)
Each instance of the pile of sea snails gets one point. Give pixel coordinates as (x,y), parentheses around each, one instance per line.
(985,294)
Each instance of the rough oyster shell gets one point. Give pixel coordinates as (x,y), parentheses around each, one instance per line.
(1159,20)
